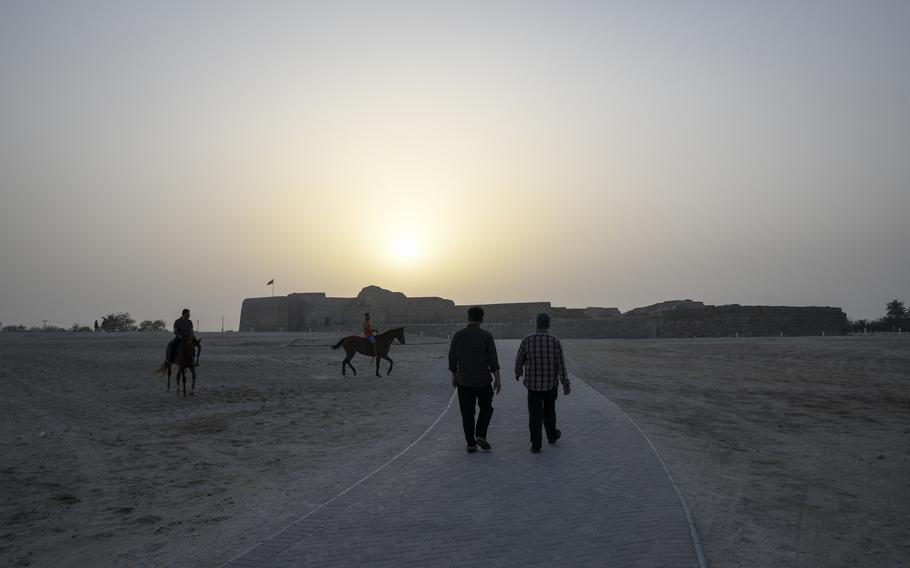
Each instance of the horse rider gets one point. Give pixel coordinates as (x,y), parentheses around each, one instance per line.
(183,328)
(370,333)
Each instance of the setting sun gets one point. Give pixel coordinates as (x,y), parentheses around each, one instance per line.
(404,247)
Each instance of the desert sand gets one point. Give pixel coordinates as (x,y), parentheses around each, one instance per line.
(101,467)
(790,451)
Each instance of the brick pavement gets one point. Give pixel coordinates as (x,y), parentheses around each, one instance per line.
(599,497)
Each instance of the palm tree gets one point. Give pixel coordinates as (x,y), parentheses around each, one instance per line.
(896,309)
(896,312)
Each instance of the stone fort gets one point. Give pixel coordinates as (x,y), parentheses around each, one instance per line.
(314,311)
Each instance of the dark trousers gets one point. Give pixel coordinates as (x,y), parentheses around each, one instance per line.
(468,397)
(542,408)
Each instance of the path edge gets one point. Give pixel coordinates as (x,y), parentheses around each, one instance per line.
(230,563)
(693,530)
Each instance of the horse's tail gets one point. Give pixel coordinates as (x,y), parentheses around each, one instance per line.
(340,341)
(160,370)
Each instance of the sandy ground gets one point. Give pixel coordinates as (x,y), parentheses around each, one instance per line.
(790,451)
(99,466)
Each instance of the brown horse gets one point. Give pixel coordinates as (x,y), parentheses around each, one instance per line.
(188,351)
(354,344)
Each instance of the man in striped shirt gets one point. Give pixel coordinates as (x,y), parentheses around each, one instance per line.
(540,359)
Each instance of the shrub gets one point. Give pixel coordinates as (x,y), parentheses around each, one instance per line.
(118,322)
(149,325)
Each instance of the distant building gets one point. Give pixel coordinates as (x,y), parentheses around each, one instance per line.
(439,316)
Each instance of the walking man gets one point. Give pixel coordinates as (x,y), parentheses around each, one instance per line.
(472,358)
(540,359)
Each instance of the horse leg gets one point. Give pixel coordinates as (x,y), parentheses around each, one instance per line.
(348,363)
(389,359)
(168,378)
(377,366)
(183,375)
(193,387)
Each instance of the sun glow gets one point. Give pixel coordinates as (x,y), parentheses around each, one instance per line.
(405,247)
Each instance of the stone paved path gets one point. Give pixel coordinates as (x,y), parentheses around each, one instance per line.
(599,497)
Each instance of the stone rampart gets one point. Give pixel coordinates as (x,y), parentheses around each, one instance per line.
(751,321)
(441,317)
(264,314)
(517,312)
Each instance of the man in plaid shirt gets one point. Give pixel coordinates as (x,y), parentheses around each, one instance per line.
(540,359)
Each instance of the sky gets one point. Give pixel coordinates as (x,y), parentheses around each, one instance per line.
(157,155)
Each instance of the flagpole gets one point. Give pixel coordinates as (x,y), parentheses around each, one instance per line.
(273,288)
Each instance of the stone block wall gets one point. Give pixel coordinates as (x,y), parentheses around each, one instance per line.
(504,313)
(752,321)
(264,314)
(441,317)
(710,321)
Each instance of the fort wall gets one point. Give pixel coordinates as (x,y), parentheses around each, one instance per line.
(264,314)
(441,317)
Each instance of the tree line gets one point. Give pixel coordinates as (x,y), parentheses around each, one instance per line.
(113,322)
(896,318)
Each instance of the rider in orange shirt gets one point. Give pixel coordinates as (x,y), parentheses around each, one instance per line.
(370,333)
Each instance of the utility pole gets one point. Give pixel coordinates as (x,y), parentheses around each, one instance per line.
(222,324)
(43,324)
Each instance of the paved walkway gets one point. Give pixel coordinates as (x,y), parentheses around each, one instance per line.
(600,497)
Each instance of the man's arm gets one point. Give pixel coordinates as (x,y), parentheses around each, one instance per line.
(492,357)
(520,358)
(493,362)
(563,372)
(453,363)
(497,382)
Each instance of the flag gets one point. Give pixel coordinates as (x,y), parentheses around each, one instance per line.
(272,281)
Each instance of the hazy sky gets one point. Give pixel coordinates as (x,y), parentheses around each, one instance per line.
(157,155)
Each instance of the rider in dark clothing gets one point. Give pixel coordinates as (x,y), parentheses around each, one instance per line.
(183,328)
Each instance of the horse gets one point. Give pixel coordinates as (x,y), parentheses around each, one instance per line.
(188,351)
(354,344)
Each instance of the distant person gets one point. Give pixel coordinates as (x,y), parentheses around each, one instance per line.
(541,360)
(183,328)
(96,326)
(370,332)
(472,358)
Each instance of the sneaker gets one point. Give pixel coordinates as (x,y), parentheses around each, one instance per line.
(558,436)
(484,445)
(535,450)
(472,449)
